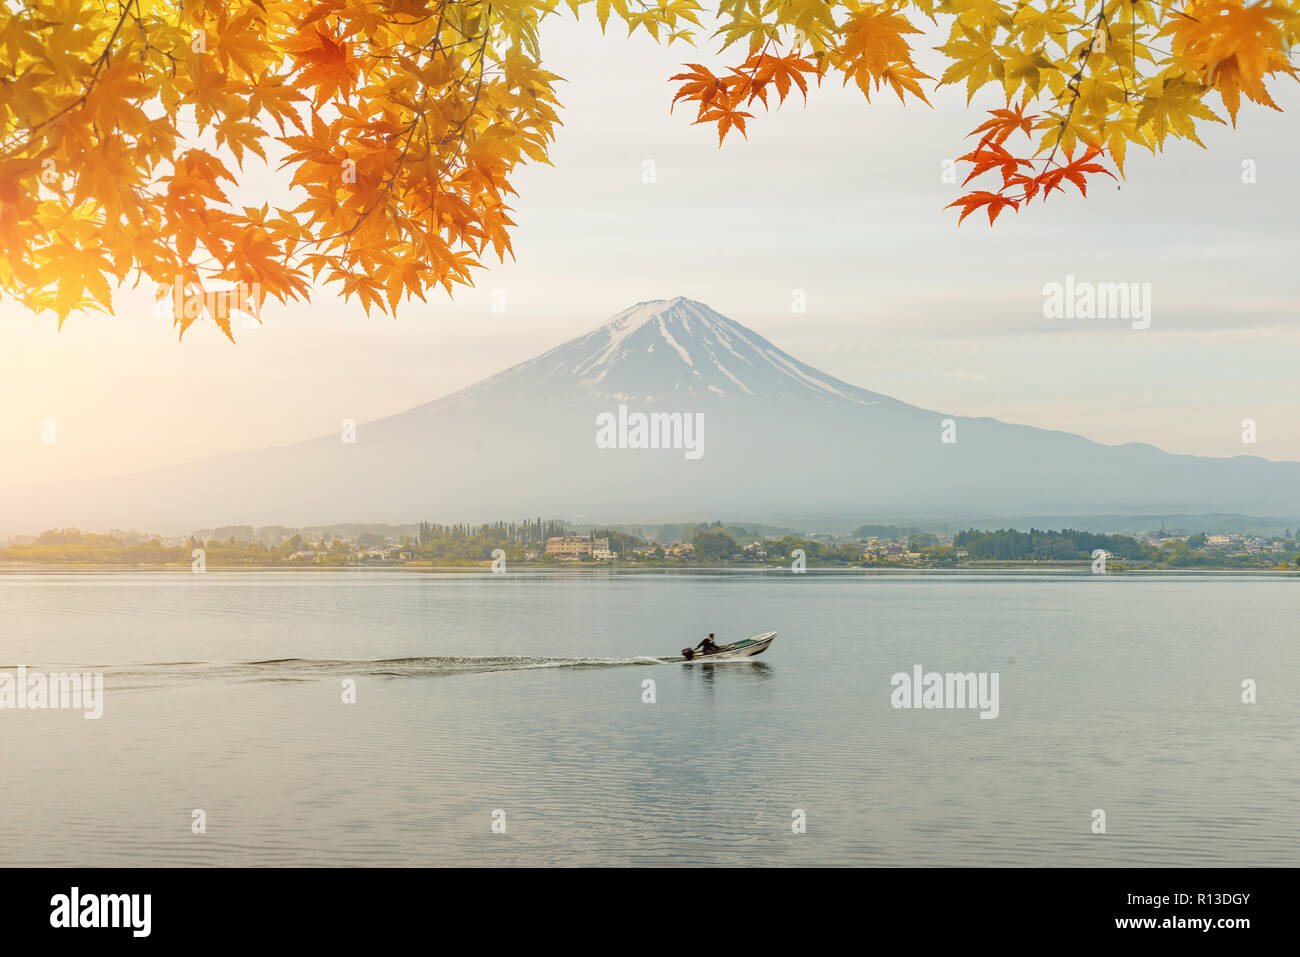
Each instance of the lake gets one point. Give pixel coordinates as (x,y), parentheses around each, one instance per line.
(519,702)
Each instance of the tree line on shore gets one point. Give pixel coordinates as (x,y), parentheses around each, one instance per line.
(711,543)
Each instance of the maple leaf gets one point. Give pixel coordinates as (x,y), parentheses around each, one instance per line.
(1004,123)
(720,98)
(325,63)
(900,77)
(873,39)
(1234,46)
(992,156)
(242,41)
(995,202)
(1171,106)
(874,53)
(783,71)
(726,119)
(1075,171)
(699,85)
(80,271)
(975,58)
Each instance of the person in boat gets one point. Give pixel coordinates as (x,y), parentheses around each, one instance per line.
(707,646)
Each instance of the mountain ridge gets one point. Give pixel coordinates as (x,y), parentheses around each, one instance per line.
(780,439)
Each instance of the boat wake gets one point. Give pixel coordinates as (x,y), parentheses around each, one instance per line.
(314,669)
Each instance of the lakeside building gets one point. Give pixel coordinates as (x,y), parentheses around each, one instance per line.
(579,547)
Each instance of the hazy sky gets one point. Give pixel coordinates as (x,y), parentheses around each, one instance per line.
(842,200)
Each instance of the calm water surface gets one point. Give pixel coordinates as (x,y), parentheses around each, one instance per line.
(524,693)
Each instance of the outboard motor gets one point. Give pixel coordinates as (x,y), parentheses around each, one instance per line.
(689,653)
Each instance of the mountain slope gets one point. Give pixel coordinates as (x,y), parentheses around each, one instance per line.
(779,440)
(661,350)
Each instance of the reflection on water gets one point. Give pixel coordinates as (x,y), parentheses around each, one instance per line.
(225,692)
(746,669)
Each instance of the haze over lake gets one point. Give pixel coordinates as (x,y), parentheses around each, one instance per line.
(524,693)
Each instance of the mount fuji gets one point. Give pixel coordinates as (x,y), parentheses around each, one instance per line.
(777,439)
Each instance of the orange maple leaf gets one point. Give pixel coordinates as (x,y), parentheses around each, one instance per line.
(995,202)
(324,62)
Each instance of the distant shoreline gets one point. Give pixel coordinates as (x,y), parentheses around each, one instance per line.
(1027,568)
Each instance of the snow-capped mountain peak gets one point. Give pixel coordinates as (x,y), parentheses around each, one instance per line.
(666,349)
